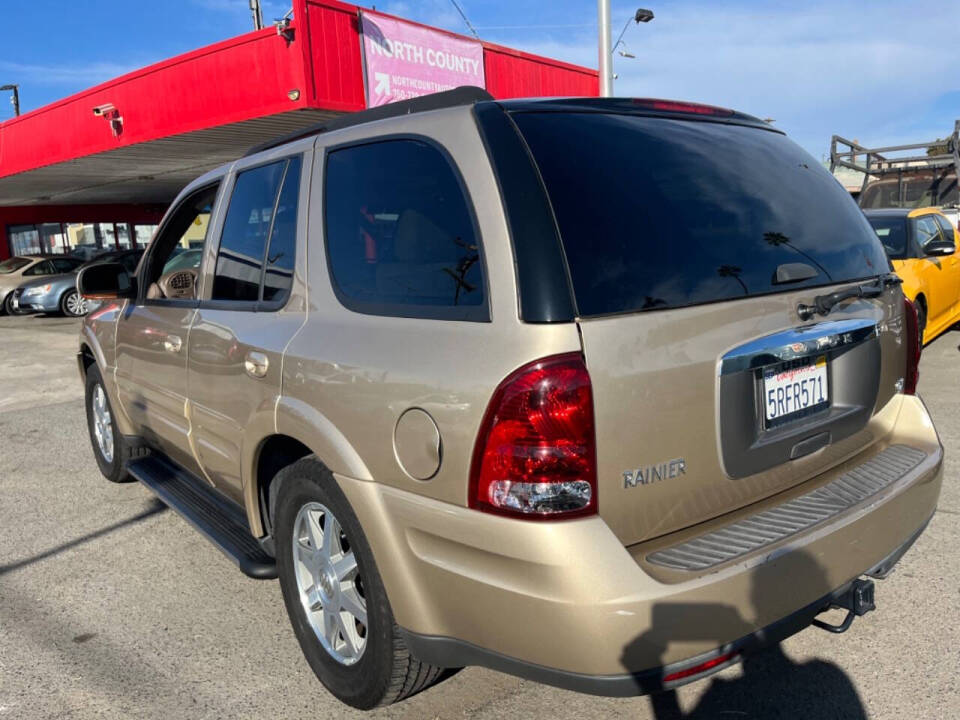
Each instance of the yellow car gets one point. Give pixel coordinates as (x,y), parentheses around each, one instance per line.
(923,246)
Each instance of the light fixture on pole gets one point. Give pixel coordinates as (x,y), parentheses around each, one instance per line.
(642,15)
(14,98)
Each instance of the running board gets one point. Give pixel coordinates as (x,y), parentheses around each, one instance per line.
(222,522)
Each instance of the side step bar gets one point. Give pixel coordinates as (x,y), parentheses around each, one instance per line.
(221,521)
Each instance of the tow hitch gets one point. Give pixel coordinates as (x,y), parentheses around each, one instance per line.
(857,601)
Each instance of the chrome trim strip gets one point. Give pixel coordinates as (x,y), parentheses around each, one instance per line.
(797,343)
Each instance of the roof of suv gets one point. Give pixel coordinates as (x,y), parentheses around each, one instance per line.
(469,95)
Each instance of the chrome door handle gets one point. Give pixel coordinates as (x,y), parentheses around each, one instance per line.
(172,344)
(256,364)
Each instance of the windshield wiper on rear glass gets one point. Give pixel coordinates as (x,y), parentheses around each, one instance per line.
(823,304)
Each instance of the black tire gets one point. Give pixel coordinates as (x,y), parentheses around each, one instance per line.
(921,318)
(114,469)
(8,306)
(65,303)
(385,672)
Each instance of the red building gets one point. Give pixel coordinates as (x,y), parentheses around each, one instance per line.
(99,167)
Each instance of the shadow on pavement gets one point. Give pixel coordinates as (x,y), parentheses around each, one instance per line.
(154,508)
(772,685)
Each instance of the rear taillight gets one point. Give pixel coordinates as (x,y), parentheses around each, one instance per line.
(912,340)
(536,452)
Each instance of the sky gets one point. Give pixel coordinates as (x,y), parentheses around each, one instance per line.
(877,71)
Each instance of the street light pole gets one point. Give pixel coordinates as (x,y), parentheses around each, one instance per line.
(257,13)
(606,69)
(15,99)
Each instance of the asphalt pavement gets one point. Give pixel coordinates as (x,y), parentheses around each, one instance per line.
(113,607)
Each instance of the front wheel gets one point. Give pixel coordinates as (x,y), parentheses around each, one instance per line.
(73,304)
(110,448)
(334,595)
(9,307)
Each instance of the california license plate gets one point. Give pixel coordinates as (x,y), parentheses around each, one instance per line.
(795,390)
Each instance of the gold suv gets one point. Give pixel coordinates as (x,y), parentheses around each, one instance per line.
(606,393)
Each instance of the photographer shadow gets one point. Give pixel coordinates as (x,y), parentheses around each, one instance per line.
(771,685)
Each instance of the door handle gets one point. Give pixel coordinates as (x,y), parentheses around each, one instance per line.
(256,364)
(172,343)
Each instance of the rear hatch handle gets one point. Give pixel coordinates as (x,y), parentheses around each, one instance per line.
(823,304)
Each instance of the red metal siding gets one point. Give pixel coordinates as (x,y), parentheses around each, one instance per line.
(332,54)
(246,77)
(242,78)
(511,73)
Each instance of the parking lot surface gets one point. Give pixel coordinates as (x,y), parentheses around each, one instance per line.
(113,607)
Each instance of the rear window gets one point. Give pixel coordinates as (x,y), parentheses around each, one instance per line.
(892,232)
(659,213)
(11,265)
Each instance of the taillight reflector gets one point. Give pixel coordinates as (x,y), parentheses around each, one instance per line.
(912,340)
(701,668)
(535,455)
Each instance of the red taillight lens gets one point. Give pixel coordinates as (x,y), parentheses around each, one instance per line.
(536,452)
(682,107)
(912,340)
(701,668)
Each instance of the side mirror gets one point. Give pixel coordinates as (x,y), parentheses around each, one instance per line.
(105,281)
(939,248)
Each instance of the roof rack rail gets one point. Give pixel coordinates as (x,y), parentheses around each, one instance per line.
(876,163)
(463,95)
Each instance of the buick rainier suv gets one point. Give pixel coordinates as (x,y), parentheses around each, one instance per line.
(604,393)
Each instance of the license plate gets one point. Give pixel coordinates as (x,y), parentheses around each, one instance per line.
(795,391)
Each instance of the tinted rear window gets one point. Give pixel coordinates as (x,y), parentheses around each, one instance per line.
(659,213)
(892,232)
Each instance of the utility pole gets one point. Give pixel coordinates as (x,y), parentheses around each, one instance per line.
(606,65)
(257,13)
(15,98)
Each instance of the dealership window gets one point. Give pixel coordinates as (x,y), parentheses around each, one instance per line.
(84,240)
(142,234)
(24,240)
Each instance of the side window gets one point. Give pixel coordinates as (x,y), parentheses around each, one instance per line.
(400,236)
(65,265)
(41,268)
(282,249)
(185,231)
(946,228)
(259,233)
(927,230)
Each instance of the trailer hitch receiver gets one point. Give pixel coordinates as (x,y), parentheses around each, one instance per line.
(857,600)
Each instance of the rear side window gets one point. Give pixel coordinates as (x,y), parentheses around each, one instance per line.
(659,213)
(257,245)
(400,234)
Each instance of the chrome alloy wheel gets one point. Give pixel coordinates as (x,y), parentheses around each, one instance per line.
(102,423)
(330,587)
(76,304)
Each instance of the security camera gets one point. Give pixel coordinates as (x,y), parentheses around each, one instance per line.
(101,110)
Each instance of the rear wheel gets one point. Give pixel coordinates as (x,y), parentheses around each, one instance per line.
(334,595)
(921,318)
(73,304)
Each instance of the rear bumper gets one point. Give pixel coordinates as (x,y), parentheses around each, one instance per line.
(567,604)
(448,652)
